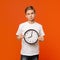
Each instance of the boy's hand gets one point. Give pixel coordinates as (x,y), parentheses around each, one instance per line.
(20,36)
(41,38)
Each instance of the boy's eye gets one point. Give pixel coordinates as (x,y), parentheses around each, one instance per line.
(32,13)
(28,14)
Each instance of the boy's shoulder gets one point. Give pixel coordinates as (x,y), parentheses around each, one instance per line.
(38,23)
(23,23)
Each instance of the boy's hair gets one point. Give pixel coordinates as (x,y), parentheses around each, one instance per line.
(29,8)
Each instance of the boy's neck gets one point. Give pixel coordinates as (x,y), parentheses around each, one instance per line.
(31,22)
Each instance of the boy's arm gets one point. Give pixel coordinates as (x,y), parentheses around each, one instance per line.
(41,34)
(19,36)
(19,32)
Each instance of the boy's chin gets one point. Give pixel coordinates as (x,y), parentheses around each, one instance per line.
(31,19)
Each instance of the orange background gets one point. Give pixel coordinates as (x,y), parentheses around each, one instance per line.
(12,14)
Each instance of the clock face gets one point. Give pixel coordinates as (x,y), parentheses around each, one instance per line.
(31,36)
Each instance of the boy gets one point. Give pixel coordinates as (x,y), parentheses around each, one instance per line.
(29,51)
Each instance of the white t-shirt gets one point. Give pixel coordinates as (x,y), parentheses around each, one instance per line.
(28,49)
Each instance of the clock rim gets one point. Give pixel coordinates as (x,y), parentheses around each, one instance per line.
(30,30)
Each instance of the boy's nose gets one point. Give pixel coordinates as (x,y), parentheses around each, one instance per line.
(30,15)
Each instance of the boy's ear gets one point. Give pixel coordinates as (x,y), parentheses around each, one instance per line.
(35,15)
(25,15)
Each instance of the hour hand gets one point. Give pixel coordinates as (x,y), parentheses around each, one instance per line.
(31,35)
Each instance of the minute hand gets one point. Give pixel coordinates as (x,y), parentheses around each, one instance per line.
(31,35)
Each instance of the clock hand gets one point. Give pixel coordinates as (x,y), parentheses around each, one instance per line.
(31,34)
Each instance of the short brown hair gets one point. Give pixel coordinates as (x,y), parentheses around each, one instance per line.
(29,8)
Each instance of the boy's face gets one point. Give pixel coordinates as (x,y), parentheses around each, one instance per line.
(30,15)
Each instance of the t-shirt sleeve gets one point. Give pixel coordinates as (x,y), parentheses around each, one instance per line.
(19,30)
(41,31)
